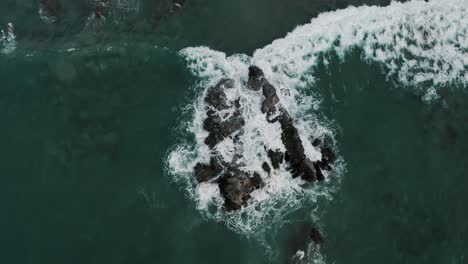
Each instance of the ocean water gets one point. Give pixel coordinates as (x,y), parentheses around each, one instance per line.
(102,128)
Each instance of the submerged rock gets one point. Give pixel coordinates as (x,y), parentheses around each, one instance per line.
(315,236)
(302,240)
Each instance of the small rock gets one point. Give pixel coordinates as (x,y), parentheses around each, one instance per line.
(317,142)
(318,170)
(256,78)
(276,158)
(266,167)
(328,156)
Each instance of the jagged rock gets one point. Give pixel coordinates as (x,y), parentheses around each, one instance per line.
(328,156)
(206,172)
(269,103)
(318,170)
(317,142)
(256,78)
(295,155)
(219,129)
(216,97)
(266,167)
(237,187)
(276,158)
(293,144)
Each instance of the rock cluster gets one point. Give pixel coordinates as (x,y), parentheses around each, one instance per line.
(224,119)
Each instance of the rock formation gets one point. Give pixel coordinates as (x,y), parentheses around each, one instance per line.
(224,120)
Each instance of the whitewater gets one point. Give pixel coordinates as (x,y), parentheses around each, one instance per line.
(421,47)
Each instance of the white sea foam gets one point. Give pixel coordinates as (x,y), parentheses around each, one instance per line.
(8,40)
(422,46)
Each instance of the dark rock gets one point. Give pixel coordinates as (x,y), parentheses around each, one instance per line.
(270,102)
(276,158)
(295,155)
(216,97)
(316,236)
(256,78)
(219,130)
(218,127)
(266,167)
(256,181)
(318,170)
(308,171)
(301,236)
(268,90)
(328,156)
(285,119)
(293,144)
(236,188)
(206,172)
(317,142)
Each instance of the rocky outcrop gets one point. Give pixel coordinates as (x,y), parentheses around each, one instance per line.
(224,120)
(300,165)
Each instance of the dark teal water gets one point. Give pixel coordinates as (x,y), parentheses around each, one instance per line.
(85,135)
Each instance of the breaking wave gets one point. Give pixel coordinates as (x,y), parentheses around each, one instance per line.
(420,46)
(7,40)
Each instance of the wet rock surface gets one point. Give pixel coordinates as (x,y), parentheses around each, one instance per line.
(221,124)
(224,121)
(276,158)
(236,187)
(206,172)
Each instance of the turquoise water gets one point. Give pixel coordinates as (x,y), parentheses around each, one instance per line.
(87,134)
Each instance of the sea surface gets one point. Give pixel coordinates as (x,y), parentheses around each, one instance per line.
(101,130)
